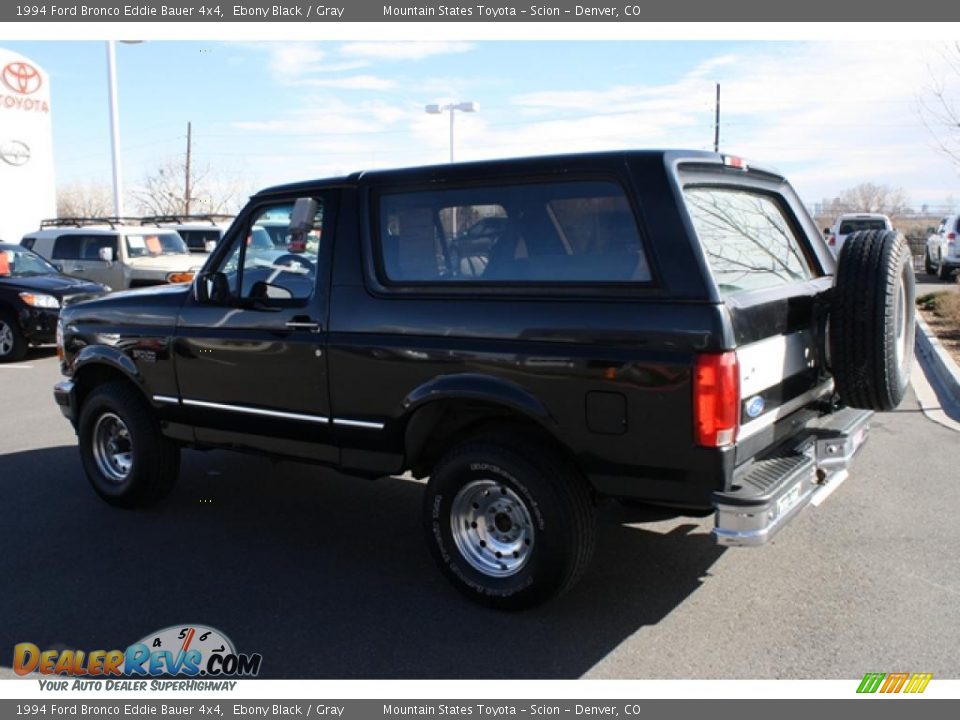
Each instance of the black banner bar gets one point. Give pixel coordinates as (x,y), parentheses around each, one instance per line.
(468,11)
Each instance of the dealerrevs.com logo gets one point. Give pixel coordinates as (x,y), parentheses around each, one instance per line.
(192,651)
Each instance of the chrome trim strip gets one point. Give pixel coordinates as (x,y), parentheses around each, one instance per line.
(257,411)
(166,399)
(358,424)
(770,418)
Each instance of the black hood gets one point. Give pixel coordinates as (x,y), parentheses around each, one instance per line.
(56,285)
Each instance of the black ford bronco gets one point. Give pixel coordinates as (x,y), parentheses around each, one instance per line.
(531,335)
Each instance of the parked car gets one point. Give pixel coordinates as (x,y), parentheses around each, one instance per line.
(31,295)
(651,326)
(114,251)
(943,249)
(849,223)
(201,233)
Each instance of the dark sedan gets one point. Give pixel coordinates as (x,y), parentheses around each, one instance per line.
(32,291)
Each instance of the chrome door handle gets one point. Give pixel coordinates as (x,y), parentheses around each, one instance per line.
(303,325)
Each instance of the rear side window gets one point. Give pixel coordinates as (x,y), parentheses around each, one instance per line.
(747,239)
(198,239)
(28,243)
(82,247)
(570,232)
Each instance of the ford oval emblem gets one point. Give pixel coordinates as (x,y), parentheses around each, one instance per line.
(755,406)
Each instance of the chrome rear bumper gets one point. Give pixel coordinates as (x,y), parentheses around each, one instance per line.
(772,490)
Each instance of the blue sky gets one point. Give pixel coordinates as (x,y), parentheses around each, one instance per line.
(830,115)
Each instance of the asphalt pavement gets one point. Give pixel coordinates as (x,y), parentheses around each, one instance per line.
(329,576)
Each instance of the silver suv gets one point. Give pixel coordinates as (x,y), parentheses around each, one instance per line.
(943,248)
(114,252)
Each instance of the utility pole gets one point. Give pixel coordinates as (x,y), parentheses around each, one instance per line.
(186,184)
(716,123)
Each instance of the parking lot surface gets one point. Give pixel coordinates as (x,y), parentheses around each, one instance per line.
(329,577)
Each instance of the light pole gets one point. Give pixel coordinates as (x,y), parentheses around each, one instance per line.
(115,125)
(452,109)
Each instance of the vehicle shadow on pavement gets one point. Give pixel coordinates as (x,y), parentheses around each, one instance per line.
(326,576)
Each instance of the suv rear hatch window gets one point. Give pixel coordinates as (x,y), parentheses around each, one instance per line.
(746,238)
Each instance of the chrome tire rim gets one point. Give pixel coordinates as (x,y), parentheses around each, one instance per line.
(492,528)
(112,448)
(901,316)
(6,339)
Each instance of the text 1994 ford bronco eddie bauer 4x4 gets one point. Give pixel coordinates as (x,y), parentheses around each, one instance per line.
(666,327)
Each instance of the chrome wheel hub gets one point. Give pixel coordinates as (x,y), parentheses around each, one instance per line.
(112,448)
(492,528)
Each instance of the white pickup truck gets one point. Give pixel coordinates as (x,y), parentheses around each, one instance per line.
(849,223)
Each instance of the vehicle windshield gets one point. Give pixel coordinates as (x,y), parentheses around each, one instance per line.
(156,243)
(23,263)
(852,226)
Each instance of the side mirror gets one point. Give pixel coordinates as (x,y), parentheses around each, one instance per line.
(106,254)
(303,215)
(211,288)
(210,245)
(826,231)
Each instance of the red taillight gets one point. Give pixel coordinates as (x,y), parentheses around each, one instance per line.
(716,399)
(733,161)
(832,240)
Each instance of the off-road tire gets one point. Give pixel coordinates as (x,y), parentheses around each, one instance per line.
(872,320)
(560,505)
(155,460)
(19,349)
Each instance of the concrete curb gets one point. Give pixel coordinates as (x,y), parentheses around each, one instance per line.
(944,368)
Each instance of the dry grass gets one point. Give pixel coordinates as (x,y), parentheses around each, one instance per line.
(941,311)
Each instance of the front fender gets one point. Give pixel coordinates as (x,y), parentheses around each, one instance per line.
(104,355)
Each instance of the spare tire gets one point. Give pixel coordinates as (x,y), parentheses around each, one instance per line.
(872,320)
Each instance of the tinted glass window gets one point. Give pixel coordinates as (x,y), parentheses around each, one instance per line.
(198,239)
(852,226)
(258,268)
(82,247)
(540,233)
(152,244)
(67,247)
(28,243)
(746,238)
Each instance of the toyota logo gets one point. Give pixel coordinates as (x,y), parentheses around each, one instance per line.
(15,153)
(21,77)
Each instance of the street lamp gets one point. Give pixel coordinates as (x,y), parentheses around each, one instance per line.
(452,108)
(115,124)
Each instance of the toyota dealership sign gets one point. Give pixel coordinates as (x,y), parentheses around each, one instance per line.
(26,146)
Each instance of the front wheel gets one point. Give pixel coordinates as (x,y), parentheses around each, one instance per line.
(510,524)
(13,346)
(944,272)
(126,459)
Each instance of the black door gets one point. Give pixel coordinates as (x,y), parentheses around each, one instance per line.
(251,360)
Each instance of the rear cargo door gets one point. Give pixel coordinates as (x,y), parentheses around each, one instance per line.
(775,290)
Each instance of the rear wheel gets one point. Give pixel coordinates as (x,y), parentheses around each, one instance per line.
(944,271)
(928,265)
(13,346)
(872,320)
(510,524)
(126,459)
